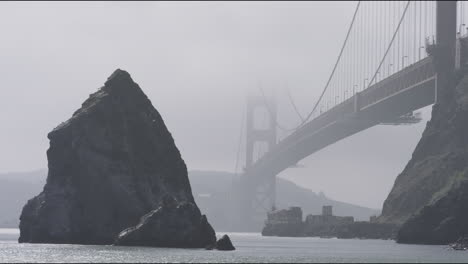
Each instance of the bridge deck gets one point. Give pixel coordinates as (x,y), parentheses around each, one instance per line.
(410,89)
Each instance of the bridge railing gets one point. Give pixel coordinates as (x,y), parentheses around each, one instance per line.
(404,79)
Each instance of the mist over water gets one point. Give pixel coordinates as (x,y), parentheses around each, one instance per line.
(197,62)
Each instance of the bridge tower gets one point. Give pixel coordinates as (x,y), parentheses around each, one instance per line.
(258,192)
(255,135)
(446,39)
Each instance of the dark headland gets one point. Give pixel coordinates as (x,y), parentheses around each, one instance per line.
(115,176)
(430,197)
(428,203)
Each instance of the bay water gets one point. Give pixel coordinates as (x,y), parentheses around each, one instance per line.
(250,247)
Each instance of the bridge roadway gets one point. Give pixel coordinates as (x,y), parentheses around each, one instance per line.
(410,89)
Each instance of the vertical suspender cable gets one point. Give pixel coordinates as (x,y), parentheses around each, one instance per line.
(461,17)
(390,44)
(400,43)
(434,28)
(425,22)
(375,35)
(414,32)
(420,25)
(334,68)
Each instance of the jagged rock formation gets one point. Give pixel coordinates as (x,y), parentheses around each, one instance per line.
(460,244)
(224,243)
(171,225)
(111,163)
(439,155)
(438,164)
(441,222)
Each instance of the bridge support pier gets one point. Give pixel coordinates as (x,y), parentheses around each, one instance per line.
(446,39)
(257,192)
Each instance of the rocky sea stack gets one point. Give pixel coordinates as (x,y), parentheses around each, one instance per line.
(224,243)
(112,165)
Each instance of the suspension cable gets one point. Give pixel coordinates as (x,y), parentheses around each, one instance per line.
(329,79)
(294,105)
(390,45)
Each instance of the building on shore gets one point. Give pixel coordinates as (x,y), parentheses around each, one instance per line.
(327,218)
(293,215)
(289,223)
(285,222)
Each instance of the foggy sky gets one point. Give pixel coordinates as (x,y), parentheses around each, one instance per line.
(196,61)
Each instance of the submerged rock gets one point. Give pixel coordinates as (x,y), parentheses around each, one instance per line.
(110,164)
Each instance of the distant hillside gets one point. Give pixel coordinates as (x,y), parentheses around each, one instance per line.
(210,190)
(15,190)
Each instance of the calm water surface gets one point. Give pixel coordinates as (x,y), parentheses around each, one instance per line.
(251,247)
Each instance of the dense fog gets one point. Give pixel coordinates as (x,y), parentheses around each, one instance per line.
(197,62)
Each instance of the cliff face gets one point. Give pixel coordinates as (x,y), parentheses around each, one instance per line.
(439,160)
(109,165)
(442,221)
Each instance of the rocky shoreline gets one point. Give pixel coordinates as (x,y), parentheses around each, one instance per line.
(430,197)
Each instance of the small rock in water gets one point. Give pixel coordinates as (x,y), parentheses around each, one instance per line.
(224,243)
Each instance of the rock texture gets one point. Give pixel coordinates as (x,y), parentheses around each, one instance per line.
(439,157)
(429,198)
(441,222)
(224,243)
(110,164)
(460,244)
(171,225)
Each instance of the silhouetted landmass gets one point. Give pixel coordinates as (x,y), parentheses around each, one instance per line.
(429,198)
(212,193)
(210,190)
(110,164)
(15,190)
